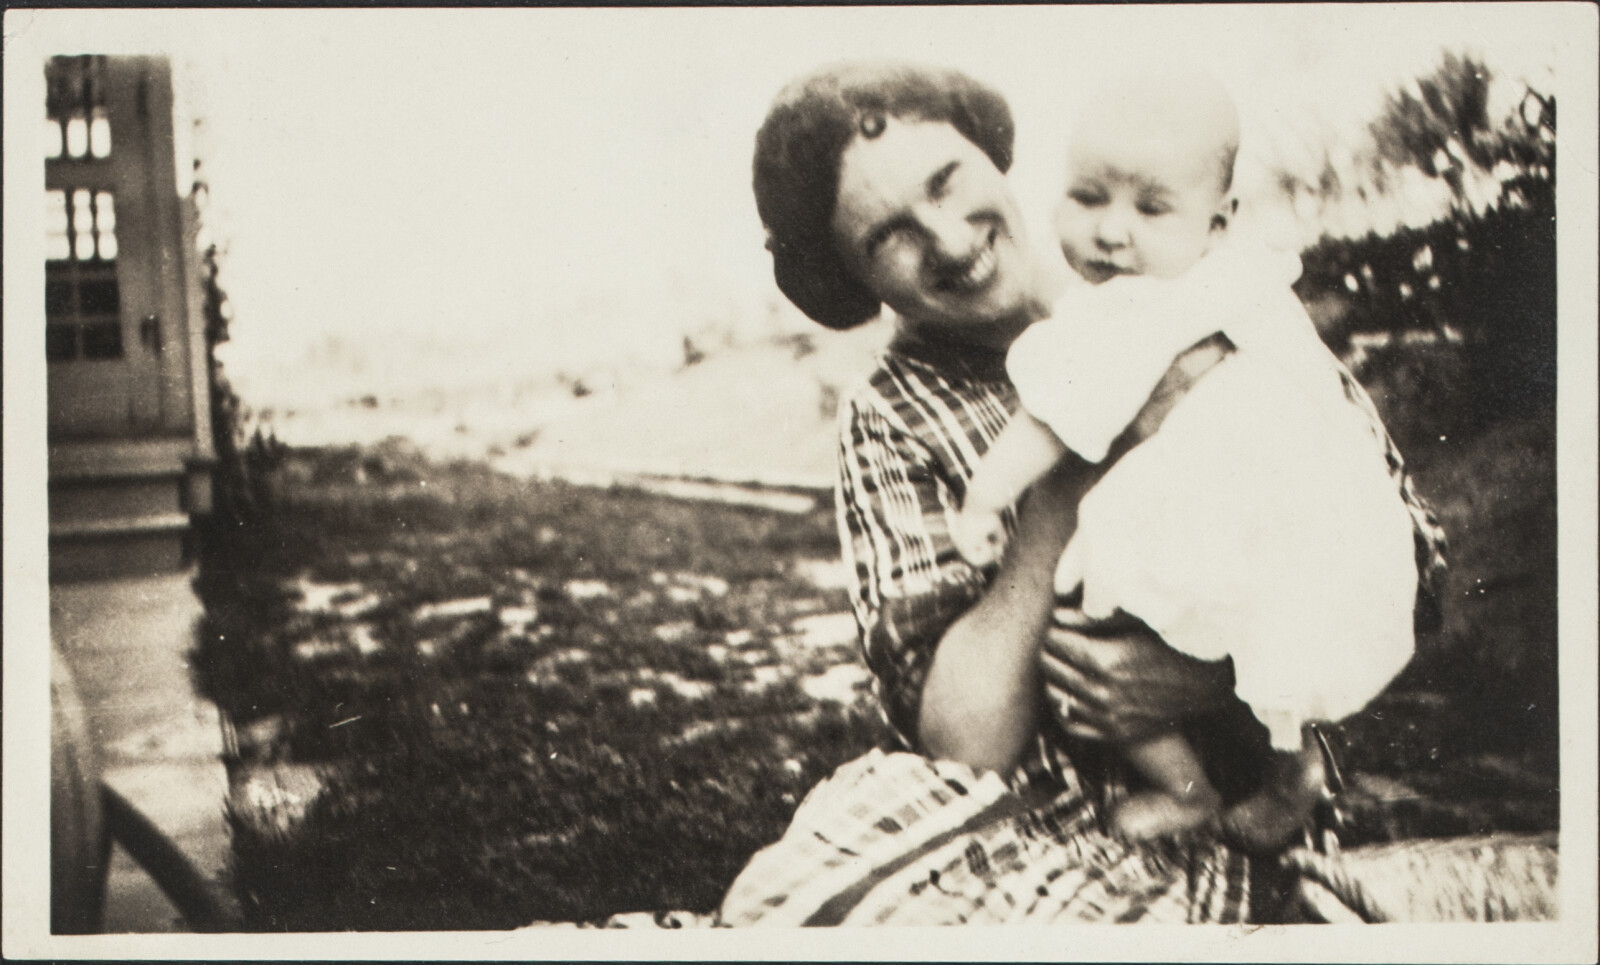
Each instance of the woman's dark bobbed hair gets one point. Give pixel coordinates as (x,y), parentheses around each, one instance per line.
(796,169)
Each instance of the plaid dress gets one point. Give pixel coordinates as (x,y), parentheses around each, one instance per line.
(895,838)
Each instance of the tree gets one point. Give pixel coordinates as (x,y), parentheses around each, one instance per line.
(1485,272)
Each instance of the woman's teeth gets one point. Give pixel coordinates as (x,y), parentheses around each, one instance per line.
(976,274)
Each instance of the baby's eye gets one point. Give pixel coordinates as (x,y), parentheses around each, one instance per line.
(1153,209)
(1087,197)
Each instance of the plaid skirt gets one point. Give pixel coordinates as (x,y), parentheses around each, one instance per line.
(897,839)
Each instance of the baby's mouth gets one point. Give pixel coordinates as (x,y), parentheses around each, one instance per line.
(1098,271)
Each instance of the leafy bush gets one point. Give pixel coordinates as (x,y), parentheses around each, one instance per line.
(1483,276)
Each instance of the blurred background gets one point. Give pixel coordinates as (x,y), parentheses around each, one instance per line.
(490,549)
(447,226)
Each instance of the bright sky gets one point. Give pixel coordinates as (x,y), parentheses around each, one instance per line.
(504,192)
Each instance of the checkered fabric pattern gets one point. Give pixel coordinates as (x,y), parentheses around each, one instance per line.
(898,839)
(909,441)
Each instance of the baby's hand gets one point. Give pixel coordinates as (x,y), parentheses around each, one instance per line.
(978,534)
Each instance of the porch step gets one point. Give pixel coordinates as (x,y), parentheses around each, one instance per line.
(122,508)
(152,545)
(150,524)
(93,504)
(110,526)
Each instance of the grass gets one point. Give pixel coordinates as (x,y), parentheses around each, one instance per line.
(1466,740)
(623,720)
(485,775)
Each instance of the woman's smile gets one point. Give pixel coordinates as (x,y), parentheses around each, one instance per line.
(974,274)
(930,224)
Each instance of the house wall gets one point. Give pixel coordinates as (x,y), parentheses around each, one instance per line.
(130,437)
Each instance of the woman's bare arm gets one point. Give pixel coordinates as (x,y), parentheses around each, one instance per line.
(980,699)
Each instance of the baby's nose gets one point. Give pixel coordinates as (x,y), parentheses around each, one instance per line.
(1112,231)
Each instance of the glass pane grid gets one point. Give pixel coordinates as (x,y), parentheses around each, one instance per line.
(75,107)
(82,302)
(81,226)
(57,226)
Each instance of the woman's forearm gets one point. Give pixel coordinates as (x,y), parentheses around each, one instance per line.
(980,699)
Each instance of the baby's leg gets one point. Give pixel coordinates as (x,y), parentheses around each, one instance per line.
(1268,819)
(1185,800)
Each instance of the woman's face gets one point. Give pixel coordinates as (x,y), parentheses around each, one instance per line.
(928,222)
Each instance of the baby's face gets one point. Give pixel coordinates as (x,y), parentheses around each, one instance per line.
(1141,199)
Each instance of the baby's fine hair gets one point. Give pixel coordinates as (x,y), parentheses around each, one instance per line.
(1177,92)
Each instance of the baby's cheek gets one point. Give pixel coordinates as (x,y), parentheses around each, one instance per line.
(1069,232)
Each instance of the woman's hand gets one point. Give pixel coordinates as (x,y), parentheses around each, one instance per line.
(1120,682)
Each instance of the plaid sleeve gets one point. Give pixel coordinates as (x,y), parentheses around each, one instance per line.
(912,584)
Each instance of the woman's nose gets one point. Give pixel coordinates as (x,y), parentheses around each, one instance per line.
(952,237)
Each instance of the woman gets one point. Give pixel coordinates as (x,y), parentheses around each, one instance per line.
(885,185)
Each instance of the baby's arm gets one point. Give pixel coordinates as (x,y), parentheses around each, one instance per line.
(1088,371)
(1025,450)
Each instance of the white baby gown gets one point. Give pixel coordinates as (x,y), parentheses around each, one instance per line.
(1260,521)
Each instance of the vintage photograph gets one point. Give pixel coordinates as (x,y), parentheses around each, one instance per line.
(586,474)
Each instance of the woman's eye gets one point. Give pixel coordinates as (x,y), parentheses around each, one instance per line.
(939,186)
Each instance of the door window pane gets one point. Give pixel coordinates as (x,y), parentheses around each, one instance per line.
(77,137)
(98,297)
(57,299)
(76,103)
(105,214)
(102,340)
(83,304)
(100,136)
(57,246)
(60,343)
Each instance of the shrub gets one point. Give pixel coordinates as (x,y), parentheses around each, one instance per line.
(1485,274)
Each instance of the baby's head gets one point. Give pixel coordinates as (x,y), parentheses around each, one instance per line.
(1149,176)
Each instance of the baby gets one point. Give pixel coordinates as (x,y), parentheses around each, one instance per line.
(1237,502)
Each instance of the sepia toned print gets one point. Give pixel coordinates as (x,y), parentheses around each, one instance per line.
(460,504)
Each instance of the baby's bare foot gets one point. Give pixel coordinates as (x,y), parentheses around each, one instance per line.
(1268,819)
(1143,817)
